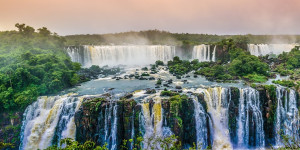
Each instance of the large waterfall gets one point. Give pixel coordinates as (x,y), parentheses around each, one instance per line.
(130,55)
(47,119)
(50,119)
(204,53)
(264,49)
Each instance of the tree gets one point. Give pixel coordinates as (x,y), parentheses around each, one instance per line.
(44,31)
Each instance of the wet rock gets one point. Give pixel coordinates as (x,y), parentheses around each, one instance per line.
(178,87)
(142,78)
(151,78)
(178,77)
(131,75)
(166,85)
(150,91)
(195,76)
(170,81)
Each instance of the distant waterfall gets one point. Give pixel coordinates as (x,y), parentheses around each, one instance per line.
(264,49)
(287,118)
(130,55)
(204,53)
(250,117)
(201,126)
(46,118)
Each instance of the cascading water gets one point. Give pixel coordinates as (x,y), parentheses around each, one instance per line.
(110,125)
(201,126)
(152,124)
(250,117)
(203,53)
(46,118)
(287,117)
(264,49)
(130,55)
(217,100)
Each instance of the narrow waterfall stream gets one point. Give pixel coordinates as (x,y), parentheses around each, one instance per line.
(201,126)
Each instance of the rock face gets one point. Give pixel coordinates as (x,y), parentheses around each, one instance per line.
(103,120)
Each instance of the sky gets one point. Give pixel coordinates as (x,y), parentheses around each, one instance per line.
(67,17)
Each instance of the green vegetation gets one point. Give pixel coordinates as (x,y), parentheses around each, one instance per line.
(286,63)
(241,64)
(32,64)
(168,93)
(70,144)
(6,145)
(164,37)
(286,83)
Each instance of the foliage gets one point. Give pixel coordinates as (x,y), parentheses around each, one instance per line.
(6,145)
(168,93)
(286,83)
(287,62)
(70,144)
(32,64)
(159,63)
(255,78)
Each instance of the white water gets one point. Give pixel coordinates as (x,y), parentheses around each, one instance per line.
(203,53)
(201,126)
(152,124)
(287,118)
(217,100)
(45,118)
(131,55)
(264,49)
(249,101)
(110,125)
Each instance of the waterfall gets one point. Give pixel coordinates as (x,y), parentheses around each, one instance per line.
(217,100)
(203,53)
(130,55)
(132,129)
(152,124)
(287,118)
(46,118)
(264,49)
(201,126)
(214,54)
(110,125)
(250,117)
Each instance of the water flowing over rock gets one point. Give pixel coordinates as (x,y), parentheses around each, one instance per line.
(214,117)
(204,53)
(287,117)
(217,100)
(130,55)
(201,124)
(250,121)
(264,49)
(48,120)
